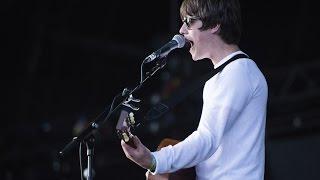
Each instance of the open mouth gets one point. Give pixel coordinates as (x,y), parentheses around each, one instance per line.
(189,43)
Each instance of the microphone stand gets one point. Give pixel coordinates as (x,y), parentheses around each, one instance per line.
(87,135)
(90,146)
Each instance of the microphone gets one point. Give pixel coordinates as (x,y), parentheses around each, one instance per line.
(178,41)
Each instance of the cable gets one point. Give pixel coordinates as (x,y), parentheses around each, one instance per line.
(111,106)
(141,71)
(80,158)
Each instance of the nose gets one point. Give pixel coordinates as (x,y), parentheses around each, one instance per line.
(183,29)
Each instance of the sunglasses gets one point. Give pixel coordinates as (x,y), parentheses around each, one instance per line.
(189,20)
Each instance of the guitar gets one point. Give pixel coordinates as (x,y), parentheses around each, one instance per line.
(124,125)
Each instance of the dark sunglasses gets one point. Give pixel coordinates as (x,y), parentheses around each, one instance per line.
(189,20)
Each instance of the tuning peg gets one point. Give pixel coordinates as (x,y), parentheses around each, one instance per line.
(125,137)
(131,118)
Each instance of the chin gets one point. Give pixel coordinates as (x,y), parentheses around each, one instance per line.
(195,55)
(195,58)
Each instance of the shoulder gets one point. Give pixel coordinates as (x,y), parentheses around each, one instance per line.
(237,71)
(242,65)
(242,68)
(244,72)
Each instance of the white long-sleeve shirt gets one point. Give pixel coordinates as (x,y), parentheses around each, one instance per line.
(229,142)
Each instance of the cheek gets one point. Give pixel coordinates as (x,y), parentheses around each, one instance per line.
(198,37)
(201,43)
(202,38)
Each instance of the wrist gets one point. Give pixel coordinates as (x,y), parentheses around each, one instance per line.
(153,164)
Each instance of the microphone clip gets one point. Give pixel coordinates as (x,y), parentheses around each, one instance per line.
(158,65)
(150,58)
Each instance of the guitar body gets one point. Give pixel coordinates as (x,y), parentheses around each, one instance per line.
(182,174)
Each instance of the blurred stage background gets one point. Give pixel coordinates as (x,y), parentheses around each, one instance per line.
(65,60)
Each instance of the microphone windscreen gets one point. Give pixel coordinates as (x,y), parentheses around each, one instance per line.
(180,40)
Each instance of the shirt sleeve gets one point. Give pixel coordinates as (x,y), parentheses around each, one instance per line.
(223,101)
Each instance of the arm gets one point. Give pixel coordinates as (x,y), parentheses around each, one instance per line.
(225,96)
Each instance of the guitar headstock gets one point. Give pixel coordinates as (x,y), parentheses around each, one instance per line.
(126,121)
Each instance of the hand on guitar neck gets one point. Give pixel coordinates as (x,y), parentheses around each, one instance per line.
(126,120)
(124,125)
(131,145)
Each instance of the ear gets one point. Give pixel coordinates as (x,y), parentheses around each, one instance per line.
(215,29)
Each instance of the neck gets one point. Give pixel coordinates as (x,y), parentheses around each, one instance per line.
(221,51)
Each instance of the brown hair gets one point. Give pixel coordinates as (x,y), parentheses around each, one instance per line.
(227,13)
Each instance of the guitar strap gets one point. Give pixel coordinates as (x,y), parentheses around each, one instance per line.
(161,108)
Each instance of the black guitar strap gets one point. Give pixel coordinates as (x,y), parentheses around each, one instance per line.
(161,108)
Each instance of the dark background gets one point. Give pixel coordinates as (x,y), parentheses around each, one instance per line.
(65,60)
